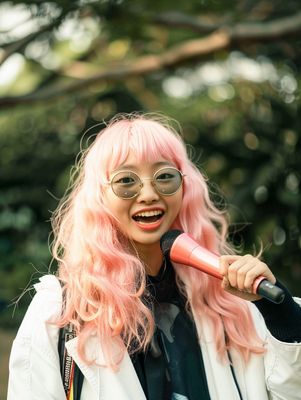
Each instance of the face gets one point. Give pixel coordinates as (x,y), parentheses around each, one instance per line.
(146,217)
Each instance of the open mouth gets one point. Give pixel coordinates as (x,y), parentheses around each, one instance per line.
(147,217)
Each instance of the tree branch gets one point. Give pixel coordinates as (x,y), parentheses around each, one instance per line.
(267,31)
(246,30)
(20,44)
(178,20)
(190,49)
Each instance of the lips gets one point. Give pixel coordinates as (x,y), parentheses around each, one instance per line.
(150,216)
(148,219)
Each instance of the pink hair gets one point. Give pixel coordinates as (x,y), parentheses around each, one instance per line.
(104,282)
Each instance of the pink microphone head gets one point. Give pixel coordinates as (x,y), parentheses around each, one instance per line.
(181,248)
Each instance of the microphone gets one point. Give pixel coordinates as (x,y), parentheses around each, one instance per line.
(181,248)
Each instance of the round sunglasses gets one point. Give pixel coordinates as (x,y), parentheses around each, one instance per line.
(127,184)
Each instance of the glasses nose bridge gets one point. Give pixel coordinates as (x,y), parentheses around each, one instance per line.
(146,179)
(152,180)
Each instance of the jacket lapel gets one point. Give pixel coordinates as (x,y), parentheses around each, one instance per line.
(105,383)
(221,383)
(219,377)
(45,375)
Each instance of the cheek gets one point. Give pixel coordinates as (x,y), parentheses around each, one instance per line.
(113,204)
(107,202)
(176,203)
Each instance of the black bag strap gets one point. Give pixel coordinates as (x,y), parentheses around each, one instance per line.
(71,374)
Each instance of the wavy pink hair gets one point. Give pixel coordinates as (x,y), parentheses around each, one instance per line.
(104,281)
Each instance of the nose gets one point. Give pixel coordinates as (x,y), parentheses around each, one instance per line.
(148,193)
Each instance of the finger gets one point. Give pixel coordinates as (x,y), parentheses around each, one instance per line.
(244,275)
(225,261)
(225,283)
(246,270)
(260,269)
(237,271)
(241,271)
(257,270)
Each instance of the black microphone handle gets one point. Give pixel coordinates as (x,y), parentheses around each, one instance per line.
(270,292)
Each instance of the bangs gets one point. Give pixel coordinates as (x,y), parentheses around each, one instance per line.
(147,140)
(148,144)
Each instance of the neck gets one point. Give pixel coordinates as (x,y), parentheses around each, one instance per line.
(151,256)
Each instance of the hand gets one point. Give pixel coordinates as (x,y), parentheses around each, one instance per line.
(239,273)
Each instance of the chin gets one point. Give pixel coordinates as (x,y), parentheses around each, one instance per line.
(148,239)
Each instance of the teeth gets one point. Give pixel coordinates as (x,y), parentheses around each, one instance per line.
(149,213)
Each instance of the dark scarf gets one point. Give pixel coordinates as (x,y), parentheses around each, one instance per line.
(172,368)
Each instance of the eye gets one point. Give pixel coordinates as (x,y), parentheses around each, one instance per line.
(125,180)
(166,175)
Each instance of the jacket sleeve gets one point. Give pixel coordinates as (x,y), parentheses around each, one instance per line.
(19,371)
(282,362)
(283,370)
(34,363)
(282,320)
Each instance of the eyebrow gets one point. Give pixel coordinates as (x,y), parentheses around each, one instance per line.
(133,167)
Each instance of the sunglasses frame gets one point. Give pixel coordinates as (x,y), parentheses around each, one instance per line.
(146,179)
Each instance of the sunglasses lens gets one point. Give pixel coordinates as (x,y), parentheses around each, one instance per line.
(167,181)
(126,184)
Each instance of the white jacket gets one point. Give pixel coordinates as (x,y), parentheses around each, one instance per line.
(35,372)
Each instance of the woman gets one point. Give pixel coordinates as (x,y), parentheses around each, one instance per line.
(146,328)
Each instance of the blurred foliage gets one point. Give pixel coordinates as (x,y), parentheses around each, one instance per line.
(238,105)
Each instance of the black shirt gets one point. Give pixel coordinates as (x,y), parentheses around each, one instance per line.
(172,367)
